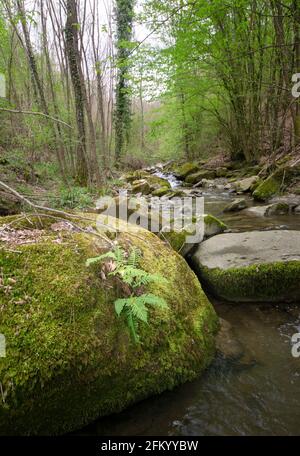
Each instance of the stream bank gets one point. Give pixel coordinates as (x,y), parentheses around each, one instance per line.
(255,394)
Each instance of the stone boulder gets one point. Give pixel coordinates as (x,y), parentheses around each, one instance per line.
(258,266)
(184,170)
(197,177)
(236,205)
(69,358)
(245,185)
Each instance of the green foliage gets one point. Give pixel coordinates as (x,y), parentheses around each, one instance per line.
(126,268)
(75,198)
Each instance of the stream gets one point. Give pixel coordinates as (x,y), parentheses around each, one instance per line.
(259,395)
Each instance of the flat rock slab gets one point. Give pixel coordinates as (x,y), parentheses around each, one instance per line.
(251,266)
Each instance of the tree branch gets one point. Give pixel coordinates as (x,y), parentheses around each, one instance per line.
(33,113)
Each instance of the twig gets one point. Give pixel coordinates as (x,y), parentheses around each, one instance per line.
(35,113)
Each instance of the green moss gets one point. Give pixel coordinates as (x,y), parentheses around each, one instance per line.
(197,177)
(184,170)
(211,220)
(265,282)
(69,358)
(273,185)
(161,191)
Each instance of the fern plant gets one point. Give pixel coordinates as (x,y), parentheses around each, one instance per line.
(135,306)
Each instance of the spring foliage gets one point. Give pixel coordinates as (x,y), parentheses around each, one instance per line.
(126,267)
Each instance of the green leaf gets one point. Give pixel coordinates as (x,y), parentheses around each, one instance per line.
(119,306)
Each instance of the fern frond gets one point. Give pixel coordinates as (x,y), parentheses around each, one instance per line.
(155,301)
(120,305)
(132,325)
(90,261)
(134,257)
(138,308)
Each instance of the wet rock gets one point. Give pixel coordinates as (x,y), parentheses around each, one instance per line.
(141,186)
(258,266)
(277,209)
(236,205)
(274,184)
(184,170)
(297,210)
(245,185)
(180,239)
(200,175)
(207,183)
(161,191)
(259,211)
(226,342)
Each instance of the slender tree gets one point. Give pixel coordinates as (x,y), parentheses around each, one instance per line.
(124,19)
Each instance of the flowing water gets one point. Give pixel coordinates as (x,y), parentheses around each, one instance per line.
(258,395)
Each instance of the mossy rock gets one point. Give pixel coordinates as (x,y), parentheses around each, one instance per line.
(161,191)
(135,175)
(197,177)
(184,170)
(274,184)
(178,238)
(221,172)
(252,266)
(69,359)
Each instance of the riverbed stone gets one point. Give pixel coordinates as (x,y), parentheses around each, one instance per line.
(184,170)
(245,185)
(278,209)
(178,238)
(236,205)
(228,346)
(70,359)
(197,177)
(252,266)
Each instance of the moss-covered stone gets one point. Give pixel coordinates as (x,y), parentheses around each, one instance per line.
(178,238)
(276,282)
(252,266)
(149,184)
(69,358)
(184,170)
(273,185)
(161,191)
(197,177)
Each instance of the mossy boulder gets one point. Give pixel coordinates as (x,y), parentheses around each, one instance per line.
(274,184)
(161,191)
(278,209)
(197,177)
(184,170)
(69,358)
(178,238)
(149,184)
(245,185)
(254,266)
(141,186)
(135,175)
